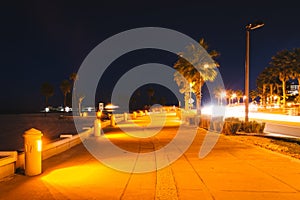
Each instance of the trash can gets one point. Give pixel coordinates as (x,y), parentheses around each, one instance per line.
(33,152)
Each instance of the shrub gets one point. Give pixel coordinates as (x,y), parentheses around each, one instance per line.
(253,127)
(231,127)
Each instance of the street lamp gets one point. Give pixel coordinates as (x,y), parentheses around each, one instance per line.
(249,28)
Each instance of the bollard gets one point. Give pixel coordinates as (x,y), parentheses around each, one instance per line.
(125,117)
(113,120)
(141,113)
(97,127)
(134,115)
(33,152)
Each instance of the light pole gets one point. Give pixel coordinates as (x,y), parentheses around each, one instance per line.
(249,28)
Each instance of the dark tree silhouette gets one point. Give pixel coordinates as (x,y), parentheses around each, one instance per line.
(65,87)
(47,90)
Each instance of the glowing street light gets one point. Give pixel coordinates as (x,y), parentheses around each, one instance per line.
(249,28)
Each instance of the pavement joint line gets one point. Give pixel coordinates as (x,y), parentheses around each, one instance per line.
(258,191)
(204,187)
(130,176)
(261,170)
(276,178)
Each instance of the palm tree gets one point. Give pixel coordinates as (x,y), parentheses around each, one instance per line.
(184,88)
(219,93)
(239,95)
(296,66)
(253,94)
(283,64)
(73,77)
(65,87)
(196,71)
(150,93)
(81,97)
(229,94)
(47,90)
(266,81)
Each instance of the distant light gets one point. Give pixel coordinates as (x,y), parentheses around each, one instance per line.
(111,107)
(47,109)
(67,109)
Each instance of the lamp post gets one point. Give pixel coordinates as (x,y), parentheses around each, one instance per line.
(249,28)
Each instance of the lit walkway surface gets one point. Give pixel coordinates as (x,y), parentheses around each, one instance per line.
(232,170)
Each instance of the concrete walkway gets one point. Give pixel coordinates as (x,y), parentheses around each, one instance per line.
(231,170)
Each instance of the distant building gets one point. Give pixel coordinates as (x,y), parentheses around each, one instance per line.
(292,89)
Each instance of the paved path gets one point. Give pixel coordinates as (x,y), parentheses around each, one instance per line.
(232,170)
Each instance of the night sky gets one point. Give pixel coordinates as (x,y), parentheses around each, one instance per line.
(48,40)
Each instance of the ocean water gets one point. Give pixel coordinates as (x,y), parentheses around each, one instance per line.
(13,126)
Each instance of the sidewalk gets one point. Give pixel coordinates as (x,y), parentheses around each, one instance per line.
(232,170)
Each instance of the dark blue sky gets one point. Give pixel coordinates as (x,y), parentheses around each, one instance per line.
(48,40)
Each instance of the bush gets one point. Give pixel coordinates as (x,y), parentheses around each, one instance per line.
(253,127)
(204,122)
(232,119)
(231,127)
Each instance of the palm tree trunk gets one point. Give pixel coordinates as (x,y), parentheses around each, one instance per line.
(264,96)
(283,93)
(65,99)
(186,100)
(271,93)
(198,101)
(298,85)
(46,101)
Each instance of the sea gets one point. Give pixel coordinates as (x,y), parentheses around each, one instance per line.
(52,125)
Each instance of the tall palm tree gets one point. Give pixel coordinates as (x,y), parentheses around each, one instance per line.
(47,90)
(229,94)
(73,77)
(296,66)
(184,88)
(283,64)
(196,72)
(266,81)
(150,93)
(239,95)
(253,94)
(65,87)
(219,93)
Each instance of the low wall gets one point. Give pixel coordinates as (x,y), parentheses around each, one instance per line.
(12,160)
(7,163)
(64,143)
